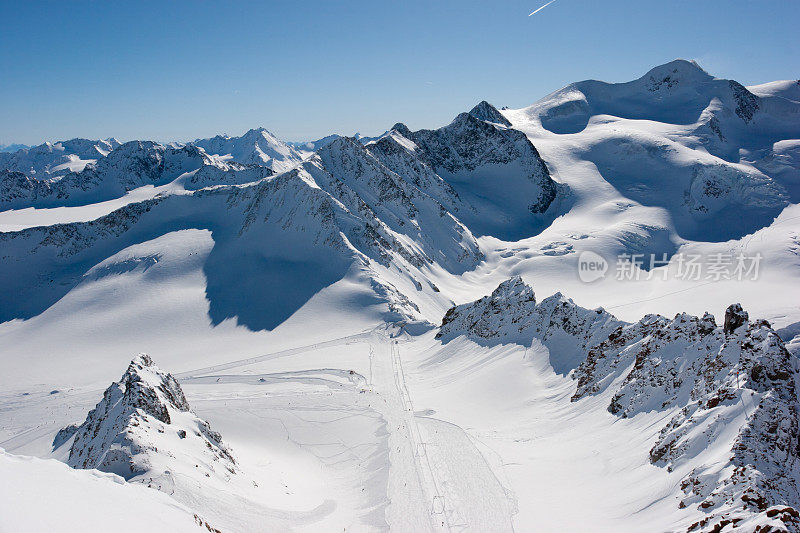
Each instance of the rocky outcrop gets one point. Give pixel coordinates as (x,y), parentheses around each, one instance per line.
(734,382)
(735,316)
(20,190)
(713,378)
(511,315)
(144,430)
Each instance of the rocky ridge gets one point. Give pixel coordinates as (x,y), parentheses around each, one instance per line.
(712,378)
(144,431)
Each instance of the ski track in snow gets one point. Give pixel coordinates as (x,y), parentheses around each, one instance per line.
(425,474)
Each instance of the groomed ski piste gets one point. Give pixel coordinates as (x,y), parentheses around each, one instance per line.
(318,352)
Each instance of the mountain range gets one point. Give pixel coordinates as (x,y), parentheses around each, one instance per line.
(358,318)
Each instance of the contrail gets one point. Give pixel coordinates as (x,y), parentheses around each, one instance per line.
(544,6)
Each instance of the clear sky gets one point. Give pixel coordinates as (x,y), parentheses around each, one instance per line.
(171,70)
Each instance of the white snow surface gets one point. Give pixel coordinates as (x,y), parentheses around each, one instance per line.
(46,495)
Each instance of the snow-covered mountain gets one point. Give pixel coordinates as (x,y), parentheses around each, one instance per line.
(717,156)
(130,166)
(256,147)
(12,147)
(382,202)
(357,316)
(56,159)
(144,431)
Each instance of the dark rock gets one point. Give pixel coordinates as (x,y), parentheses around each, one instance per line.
(735,316)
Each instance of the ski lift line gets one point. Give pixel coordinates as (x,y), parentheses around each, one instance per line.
(416,436)
(417,464)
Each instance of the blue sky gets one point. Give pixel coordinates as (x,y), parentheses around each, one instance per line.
(180,70)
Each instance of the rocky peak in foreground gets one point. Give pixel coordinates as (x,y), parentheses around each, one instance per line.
(144,430)
(729,388)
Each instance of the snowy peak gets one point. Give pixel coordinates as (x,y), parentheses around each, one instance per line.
(50,160)
(143,430)
(402,129)
(487,112)
(495,315)
(675,93)
(494,170)
(679,72)
(256,147)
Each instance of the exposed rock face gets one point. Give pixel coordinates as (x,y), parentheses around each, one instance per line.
(746,102)
(484,172)
(143,430)
(712,376)
(394,205)
(502,313)
(487,112)
(735,316)
(735,380)
(470,142)
(511,315)
(19,190)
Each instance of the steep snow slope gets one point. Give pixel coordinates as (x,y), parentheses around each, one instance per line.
(256,147)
